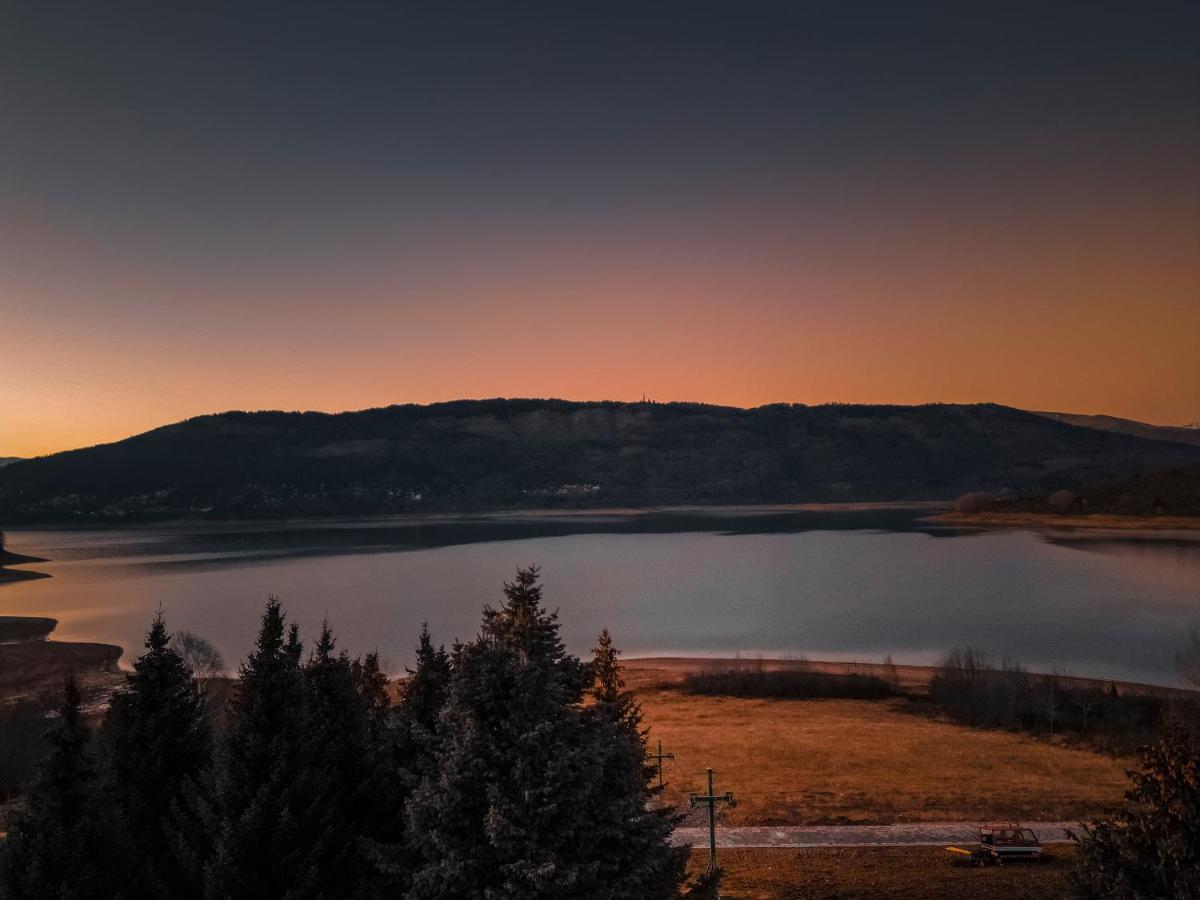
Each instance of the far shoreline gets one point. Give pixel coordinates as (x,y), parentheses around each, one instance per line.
(507,513)
(1034,520)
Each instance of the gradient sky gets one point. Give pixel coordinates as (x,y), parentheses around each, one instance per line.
(207,206)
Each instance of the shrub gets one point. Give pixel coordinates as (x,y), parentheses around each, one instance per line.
(1151,847)
(1061,501)
(738,679)
(976,501)
(972,687)
(22,726)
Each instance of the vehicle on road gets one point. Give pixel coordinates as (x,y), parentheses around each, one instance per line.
(1000,843)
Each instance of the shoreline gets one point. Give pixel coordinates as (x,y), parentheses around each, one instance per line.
(908,676)
(7,575)
(8,558)
(506,513)
(1034,520)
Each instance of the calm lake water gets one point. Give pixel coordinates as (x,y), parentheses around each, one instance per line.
(826,584)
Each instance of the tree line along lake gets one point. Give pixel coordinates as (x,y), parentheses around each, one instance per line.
(861,582)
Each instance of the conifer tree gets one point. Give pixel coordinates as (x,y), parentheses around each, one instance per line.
(508,811)
(271,830)
(631,837)
(410,753)
(372,686)
(344,769)
(425,692)
(61,848)
(155,736)
(1151,848)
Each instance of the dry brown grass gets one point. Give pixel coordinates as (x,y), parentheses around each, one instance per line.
(864,762)
(31,668)
(882,873)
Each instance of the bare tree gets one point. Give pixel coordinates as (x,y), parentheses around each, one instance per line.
(1061,501)
(1089,701)
(1048,699)
(1188,659)
(890,675)
(202,657)
(976,501)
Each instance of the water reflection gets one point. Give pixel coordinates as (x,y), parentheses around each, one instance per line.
(862,582)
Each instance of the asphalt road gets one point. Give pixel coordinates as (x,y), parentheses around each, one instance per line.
(924,834)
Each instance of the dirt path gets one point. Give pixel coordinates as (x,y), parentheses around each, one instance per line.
(929,834)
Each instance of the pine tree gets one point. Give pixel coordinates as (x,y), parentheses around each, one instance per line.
(271,830)
(1151,848)
(425,693)
(156,736)
(345,770)
(372,686)
(508,814)
(409,756)
(631,837)
(61,848)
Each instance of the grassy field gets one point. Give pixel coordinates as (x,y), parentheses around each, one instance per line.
(865,762)
(882,873)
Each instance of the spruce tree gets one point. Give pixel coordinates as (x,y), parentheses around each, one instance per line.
(1151,848)
(631,836)
(409,756)
(372,686)
(155,736)
(425,694)
(345,771)
(61,849)
(507,812)
(271,829)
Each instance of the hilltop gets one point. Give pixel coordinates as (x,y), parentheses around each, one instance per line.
(489,454)
(1183,434)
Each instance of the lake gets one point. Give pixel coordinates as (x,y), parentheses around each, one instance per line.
(825,583)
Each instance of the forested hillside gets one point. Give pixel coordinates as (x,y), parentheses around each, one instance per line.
(468,455)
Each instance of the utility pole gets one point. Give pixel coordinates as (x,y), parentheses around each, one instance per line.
(660,756)
(712,800)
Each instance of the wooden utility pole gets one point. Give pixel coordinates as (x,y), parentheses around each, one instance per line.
(660,756)
(712,800)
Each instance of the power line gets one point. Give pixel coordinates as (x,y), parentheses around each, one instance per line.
(660,756)
(712,800)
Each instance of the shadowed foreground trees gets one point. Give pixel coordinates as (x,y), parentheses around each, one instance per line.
(534,794)
(1151,848)
(60,848)
(155,738)
(508,768)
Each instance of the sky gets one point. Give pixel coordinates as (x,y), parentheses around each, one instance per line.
(212,206)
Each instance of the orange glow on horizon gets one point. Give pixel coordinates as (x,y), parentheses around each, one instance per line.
(1073,314)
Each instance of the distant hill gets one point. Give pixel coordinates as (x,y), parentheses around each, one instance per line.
(489,454)
(5,460)
(1185,434)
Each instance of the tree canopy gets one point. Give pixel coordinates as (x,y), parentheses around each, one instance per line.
(506,768)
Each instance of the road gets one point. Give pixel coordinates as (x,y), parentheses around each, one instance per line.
(923,834)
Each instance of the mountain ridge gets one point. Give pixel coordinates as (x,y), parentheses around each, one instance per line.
(470,455)
(1182,434)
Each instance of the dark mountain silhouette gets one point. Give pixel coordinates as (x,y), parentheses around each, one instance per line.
(488,454)
(1185,434)
(5,460)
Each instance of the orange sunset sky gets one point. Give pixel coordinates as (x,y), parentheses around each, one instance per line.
(807,208)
